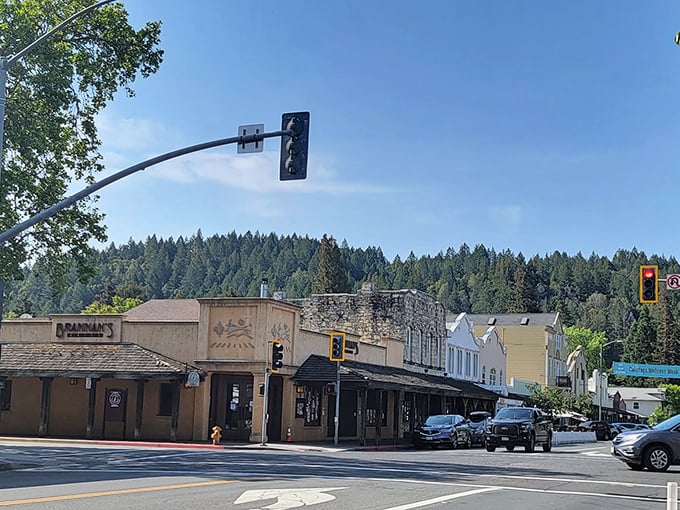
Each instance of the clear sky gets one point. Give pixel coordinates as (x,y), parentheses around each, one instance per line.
(527,125)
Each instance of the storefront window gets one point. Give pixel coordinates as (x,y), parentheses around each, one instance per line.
(165,400)
(5,395)
(372,409)
(312,406)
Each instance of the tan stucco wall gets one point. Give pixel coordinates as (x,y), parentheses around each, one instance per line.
(26,330)
(177,340)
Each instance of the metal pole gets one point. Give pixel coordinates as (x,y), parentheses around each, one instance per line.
(51,211)
(7,62)
(337,403)
(265,403)
(672,496)
(599,385)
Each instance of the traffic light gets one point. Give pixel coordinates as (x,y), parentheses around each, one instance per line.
(294,148)
(277,355)
(649,284)
(337,347)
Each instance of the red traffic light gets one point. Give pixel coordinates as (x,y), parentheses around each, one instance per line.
(649,283)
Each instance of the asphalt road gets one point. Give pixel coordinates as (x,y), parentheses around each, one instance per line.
(78,476)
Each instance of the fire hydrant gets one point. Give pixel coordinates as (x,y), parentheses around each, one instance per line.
(216,434)
(289,435)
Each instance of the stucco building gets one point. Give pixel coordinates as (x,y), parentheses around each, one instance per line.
(173,369)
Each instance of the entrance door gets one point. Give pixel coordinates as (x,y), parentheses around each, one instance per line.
(231,405)
(347,427)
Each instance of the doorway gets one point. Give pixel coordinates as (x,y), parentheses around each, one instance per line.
(231,405)
(347,426)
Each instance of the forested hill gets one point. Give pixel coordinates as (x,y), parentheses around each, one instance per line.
(593,292)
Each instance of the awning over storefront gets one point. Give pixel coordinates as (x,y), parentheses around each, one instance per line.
(96,360)
(353,373)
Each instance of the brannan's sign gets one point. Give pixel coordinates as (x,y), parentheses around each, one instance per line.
(84,329)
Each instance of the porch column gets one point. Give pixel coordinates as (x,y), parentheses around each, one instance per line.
(44,405)
(139,408)
(398,403)
(363,396)
(91,403)
(176,387)
(378,419)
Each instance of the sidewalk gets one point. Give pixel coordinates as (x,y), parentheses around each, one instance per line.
(289,446)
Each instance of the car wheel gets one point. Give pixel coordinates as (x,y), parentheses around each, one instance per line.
(657,458)
(547,446)
(490,448)
(606,436)
(635,467)
(531,445)
(510,447)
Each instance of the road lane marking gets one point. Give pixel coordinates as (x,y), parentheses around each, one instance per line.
(112,493)
(441,499)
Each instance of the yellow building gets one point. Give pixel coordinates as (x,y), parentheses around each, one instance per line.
(173,369)
(536,344)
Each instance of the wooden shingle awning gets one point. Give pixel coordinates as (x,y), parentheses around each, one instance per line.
(365,375)
(96,360)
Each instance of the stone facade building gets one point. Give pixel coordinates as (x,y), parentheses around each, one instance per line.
(411,315)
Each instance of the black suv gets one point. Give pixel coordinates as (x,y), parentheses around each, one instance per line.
(655,449)
(523,426)
(602,429)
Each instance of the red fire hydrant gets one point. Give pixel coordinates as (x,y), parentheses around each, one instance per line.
(216,434)
(289,435)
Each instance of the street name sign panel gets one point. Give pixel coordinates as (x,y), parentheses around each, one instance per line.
(639,370)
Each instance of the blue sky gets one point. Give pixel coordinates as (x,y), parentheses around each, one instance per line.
(532,126)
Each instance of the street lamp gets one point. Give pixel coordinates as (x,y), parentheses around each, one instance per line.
(600,374)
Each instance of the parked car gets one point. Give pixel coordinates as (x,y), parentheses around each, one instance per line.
(618,427)
(478,422)
(656,448)
(450,430)
(519,426)
(602,429)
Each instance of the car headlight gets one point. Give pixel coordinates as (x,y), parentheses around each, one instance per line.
(524,428)
(629,437)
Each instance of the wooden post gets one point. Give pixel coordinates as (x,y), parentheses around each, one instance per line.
(44,406)
(139,409)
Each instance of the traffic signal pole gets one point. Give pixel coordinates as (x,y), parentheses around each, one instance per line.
(11,233)
(265,403)
(337,403)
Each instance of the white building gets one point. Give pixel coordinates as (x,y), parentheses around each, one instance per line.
(577,378)
(641,401)
(462,350)
(493,358)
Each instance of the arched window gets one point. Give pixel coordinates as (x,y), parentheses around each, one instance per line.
(492,377)
(409,344)
(483,375)
(435,351)
(425,349)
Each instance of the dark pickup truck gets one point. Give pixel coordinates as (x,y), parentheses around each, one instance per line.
(519,426)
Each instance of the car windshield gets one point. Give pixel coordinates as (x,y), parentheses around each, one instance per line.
(514,414)
(668,424)
(440,420)
(477,418)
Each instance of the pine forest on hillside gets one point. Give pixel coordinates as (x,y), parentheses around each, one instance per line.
(591,293)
